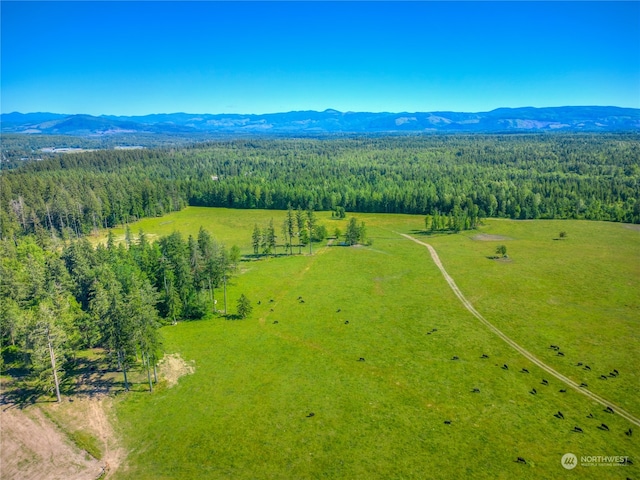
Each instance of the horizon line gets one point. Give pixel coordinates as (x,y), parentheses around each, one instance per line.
(319,111)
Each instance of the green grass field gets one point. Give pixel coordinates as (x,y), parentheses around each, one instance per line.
(244,412)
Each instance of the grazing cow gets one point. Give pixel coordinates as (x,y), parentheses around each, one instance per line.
(271,309)
(428,333)
(554,347)
(603,377)
(608,410)
(583,385)
(300,298)
(346,322)
(559,415)
(271,300)
(259,302)
(560,354)
(521,460)
(544,382)
(612,375)
(579,364)
(311,415)
(616,372)
(361,359)
(533,391)
(603,426)
(587,367)
(505,367)
(338,311)
(455,358)
(301,301)
(524,370)
(577,430)
(628,433)
(275,321)
(484,356)
(563,390)
(476,390)
(590,415)
(447,422)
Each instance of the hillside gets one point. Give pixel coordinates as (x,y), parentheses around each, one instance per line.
(526,119)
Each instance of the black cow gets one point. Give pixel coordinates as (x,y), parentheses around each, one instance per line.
(524,370)
(559,415)
(521,460)
(608,410)
(544,382)
(577,430)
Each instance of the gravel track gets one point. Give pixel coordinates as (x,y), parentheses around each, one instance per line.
(525,353)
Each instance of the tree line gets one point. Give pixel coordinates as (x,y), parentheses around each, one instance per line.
(57,300)
(579,176)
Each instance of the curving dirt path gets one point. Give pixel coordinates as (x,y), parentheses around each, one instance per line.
(434,255)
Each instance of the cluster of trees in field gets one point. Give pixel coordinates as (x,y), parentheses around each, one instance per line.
(59,299)
(298,227)
(584,176)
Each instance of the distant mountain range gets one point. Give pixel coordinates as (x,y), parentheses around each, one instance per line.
(526,119)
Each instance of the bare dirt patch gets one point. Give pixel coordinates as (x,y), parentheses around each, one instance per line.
(172,367)
(33,447)
(91,415)
(485,237)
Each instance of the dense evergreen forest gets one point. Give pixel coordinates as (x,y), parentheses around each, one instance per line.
(57,301)
(581,176)
(58,297)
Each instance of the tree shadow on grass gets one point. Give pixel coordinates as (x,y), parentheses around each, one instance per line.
(20,395)
(82,377)
(429,233)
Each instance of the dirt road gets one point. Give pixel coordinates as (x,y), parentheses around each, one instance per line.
(522,351)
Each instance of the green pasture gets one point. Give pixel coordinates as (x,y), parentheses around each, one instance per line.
(244,413)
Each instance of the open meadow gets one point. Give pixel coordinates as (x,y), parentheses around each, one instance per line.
(360,362)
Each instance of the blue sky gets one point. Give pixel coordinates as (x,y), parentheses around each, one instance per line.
(135,58)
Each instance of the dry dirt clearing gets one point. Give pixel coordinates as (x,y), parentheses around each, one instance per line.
(485,237)
(32,447)
(172,367)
